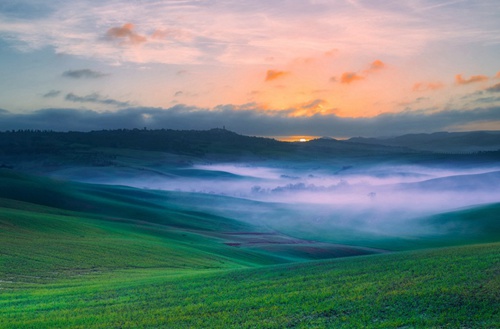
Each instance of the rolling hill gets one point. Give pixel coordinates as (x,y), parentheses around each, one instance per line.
(82,255)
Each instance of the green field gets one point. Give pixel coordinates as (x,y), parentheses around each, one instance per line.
(447,288)
(78,255)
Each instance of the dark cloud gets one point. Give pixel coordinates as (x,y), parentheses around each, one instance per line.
(248,120)
(83,74)
(52,94)
(95,98)
(495,88)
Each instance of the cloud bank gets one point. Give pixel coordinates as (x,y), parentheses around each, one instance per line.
(248,120)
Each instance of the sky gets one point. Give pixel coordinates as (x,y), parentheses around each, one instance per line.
(338,68)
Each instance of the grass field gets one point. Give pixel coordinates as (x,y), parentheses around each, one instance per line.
(447,288)
(89,256)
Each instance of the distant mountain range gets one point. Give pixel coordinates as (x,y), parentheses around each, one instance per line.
(225,145)
(441,142)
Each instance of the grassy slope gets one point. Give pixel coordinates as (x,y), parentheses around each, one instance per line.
(54,229)
(446,288)
(473,225)
(42,242)
(58,229)
(38,244)
(104,219)
(85,256)
(478,224)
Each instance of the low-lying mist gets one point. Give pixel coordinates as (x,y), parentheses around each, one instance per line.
(383,200)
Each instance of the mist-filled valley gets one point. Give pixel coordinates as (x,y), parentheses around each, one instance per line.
(325,190)
(325,203)
(211,222)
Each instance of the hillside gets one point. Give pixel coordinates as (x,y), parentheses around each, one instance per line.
(210,229)
(80,228)
(159,154)
(446,288)
(89,224)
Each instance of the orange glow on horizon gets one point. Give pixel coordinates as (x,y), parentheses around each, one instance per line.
(294,139)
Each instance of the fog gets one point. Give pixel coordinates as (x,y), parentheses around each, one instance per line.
(390,200)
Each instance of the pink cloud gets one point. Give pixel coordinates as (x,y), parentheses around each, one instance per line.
(174,34)
(331,52)
(475,78)
(349,77)
(376,65)
(427,86)
(273,74)
(126,34)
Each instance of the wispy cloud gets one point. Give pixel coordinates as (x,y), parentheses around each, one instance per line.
(172,34)
(348,77)
(427,86)
(312,108)
(52,94)
(244,30)
(473,79)
(83,74)
(95,98)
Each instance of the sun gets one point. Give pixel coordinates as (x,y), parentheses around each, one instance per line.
(302,140)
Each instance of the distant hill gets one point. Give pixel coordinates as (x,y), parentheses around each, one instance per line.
(218,144)
(191,142)
(39,151)
(441,142)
